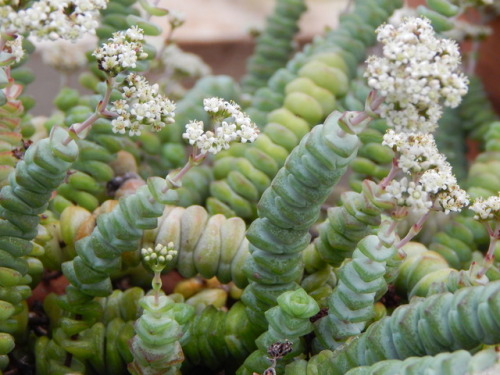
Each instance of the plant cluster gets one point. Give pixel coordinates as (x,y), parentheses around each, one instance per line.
(236,192)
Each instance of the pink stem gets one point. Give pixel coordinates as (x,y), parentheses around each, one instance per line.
(362,116)
(193,160)
(414,230)
(490,254)
(387,179)
(99,112)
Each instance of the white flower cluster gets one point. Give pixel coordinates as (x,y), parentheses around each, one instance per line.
(121,52)
(53,19)
(486,209)
(15,47)
(176,19)
(184,63)
(235,125)
(142,105)
(160,256)
(65,55)
(432,179)
(416,74)
(417,151)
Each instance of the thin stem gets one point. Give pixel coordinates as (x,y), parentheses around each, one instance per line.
(391,228)
(362,116)
(490,254)
(348,7)
(156,284)
(414,230)
(99,112)
(387,179)
(193,160)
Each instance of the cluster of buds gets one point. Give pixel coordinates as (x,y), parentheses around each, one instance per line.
(141,105)
(53,19)
(416,74)
(160,256)
(235,125)
(175,19)
(431,183)
(121,52)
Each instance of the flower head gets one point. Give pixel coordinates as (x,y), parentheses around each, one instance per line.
(160,256)
(53,19)
(417,74)
(432,182)
(486,209)
(234,125)
(121,52)
(141,105)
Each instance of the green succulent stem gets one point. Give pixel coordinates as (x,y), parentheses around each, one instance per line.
(439,323)
(286,211)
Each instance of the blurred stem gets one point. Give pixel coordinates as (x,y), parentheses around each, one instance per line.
(494,233)
(387,179)
(194,160)
(414,230)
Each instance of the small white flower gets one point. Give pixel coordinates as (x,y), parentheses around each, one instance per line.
(417,152)
(486,209)
(176,19)
(121,52)
(193,132)
(120,124)
(236,126)
(53,19)
(213,104)
(453,199)
(134,34)
(142,105)
(417,74)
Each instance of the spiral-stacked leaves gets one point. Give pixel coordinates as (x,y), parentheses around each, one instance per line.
(348,223)
(116,232)
(460,362)
(287,210)
(274,45)
(87,183)
(30,187)
(424,272)
(288,321)
(211,246)
(439,323)
(361,282)
(156,348)
(95,342)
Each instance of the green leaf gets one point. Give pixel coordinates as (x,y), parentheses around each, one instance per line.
(157,186)
(149,28)
(154,11)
